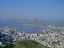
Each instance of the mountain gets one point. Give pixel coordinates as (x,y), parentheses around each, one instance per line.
(25,25)
(34,25)
(28,44)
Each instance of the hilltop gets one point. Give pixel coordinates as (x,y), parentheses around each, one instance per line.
(28,44)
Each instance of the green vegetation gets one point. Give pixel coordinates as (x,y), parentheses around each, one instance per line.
(8,44)
(23,44)
(28,44)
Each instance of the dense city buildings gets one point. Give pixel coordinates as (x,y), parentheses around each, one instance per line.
(51,36)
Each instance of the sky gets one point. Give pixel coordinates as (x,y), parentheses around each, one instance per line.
(45,9)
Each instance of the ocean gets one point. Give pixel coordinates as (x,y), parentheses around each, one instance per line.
(26,25)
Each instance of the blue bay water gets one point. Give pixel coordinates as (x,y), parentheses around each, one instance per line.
(23,23)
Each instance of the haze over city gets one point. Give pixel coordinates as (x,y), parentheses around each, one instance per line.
(31,23)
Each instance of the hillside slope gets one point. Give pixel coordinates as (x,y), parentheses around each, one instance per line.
(28,44)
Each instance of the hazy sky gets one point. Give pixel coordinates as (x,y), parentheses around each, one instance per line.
(32,8)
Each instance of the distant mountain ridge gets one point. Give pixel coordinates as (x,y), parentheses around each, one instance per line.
(30,25)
